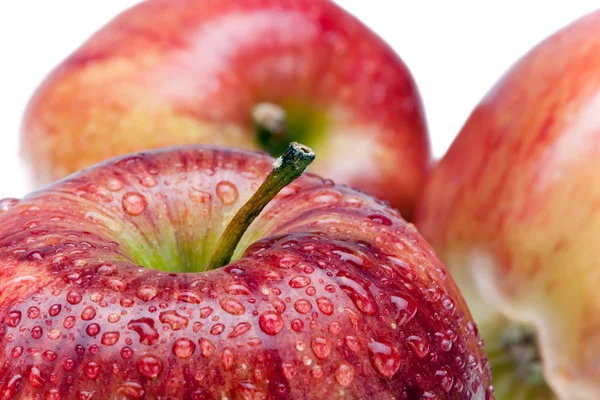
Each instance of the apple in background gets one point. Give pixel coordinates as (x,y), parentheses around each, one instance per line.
(110,290)
(513,210)
(253,74)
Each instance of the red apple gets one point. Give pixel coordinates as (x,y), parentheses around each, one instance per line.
(108,290)
(512,209)
(253,74)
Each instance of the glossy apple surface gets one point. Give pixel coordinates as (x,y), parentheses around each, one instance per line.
(513,210)
(330,294)
(170,72)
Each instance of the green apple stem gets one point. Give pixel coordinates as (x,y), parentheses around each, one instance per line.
(286,169)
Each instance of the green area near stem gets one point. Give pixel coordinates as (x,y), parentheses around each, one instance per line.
(303,125)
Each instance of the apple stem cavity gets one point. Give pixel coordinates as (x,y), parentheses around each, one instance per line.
(286,169)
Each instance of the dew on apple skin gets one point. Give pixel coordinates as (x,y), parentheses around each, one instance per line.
(12,387)
(445,378)
(126,353)
(217,329)
(279,305)
(227,192)
(53,334)
(7,203)
(144,327)
(385,357)
(134,203)
(358,292)
(148,181)
(174,319)
(419,345)
(74,298)
(106,269)
(146,292)
(232,306)
(115,284)
(92,329)
(227,359)
(303,306)
(205,312)
(35,377)
(88,313)
(149,366)
(239,330)
(53,394)
(271,322)
(288,369)
(183,348)
(91,369)
(325,305)
(207,348)
(405,308)
(69,322)
(36,332)
(110,338)
(13,318)
(132,390)
(33,312)
(188,296)
(17,351)
(344,374)
(321,347)
(300,281)
(352,343)
(297,325)
(114,184)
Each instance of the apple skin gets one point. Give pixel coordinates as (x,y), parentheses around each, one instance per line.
(173,72)
(512,208)
(331,293)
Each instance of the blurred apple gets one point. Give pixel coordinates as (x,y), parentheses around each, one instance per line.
(253,74)
(513,208)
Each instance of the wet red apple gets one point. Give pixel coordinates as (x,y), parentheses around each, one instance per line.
(118,282)
(253,74)
(512,209)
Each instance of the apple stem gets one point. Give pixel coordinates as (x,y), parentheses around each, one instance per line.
(286,169)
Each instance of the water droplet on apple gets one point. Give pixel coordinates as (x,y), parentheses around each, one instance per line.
(115,284)
(114,184)
(344,374)
(271,322)
(144,327)
(17,351)
(53,334)
(445,378)
(53,394)
(335,328)
(188,296)
(33,312)
(321,347)
(325,305)
(174,319)
(299,282)
(289,370)
(297,325)
(110,338)
(385,358)
(134,203)
(106,270)
(146,292)
(239,330)
(13,318)
(232,306)
(227,359)
(279,305)
(419,345)
(12,387)
(150,366)
(126,352)
(88,313)
(148,181)
(91,369)
(8,203)
(227,192)
(405,307)
(356,288)
(183,348)
(49,356)
(205,312)
(217,329)
(237,288)
(325,196)
(92,329)
(74,298)
(36,332)
(132,390)
(207,348)
(303,306)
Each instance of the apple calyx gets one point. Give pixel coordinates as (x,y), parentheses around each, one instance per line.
(286,169)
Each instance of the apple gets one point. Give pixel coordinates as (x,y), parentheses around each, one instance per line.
(127,280)
(253,74)
(512,209)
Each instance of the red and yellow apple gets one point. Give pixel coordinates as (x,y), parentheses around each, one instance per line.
(513,211)
(109,291)
(253,74)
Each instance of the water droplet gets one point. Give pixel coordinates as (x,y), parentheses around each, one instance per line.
(232,306)
(134,203)
(126,352)
(237,288)
(189,297)
(131,390)
(7,203)
(36,332)
(352,343)
(54,310)
(384,357)
(69,322)
(297,325)
(113,318)
(13,318)
(35,377)
(325,196)
(227,192)
(114,184)
(279,305)
(344,374)
(88,313)
(303,306)
(335,328)
(146,292)
(53,394)
(207,348)
(380,219)
(299,282)
(321,346)
(144,327)
(49,356)
(174,319)
(205,312)
(419,345)
(227,359)
(55,334)
(239,330)
(150,366)
(115,284)
(217,329)
(405,307)
(92,329)
(92,369)
(356,288)
(106,270)
(74,298)
(325,305)
(183,348)
(289,370)
(110,338)
(33,312)
(17,352)
(445,378)
(271,322)
(148,181)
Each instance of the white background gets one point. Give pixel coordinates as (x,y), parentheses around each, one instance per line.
(455,49)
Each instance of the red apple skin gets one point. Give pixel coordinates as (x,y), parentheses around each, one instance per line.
(331,293)
(512,208)
(171,72)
